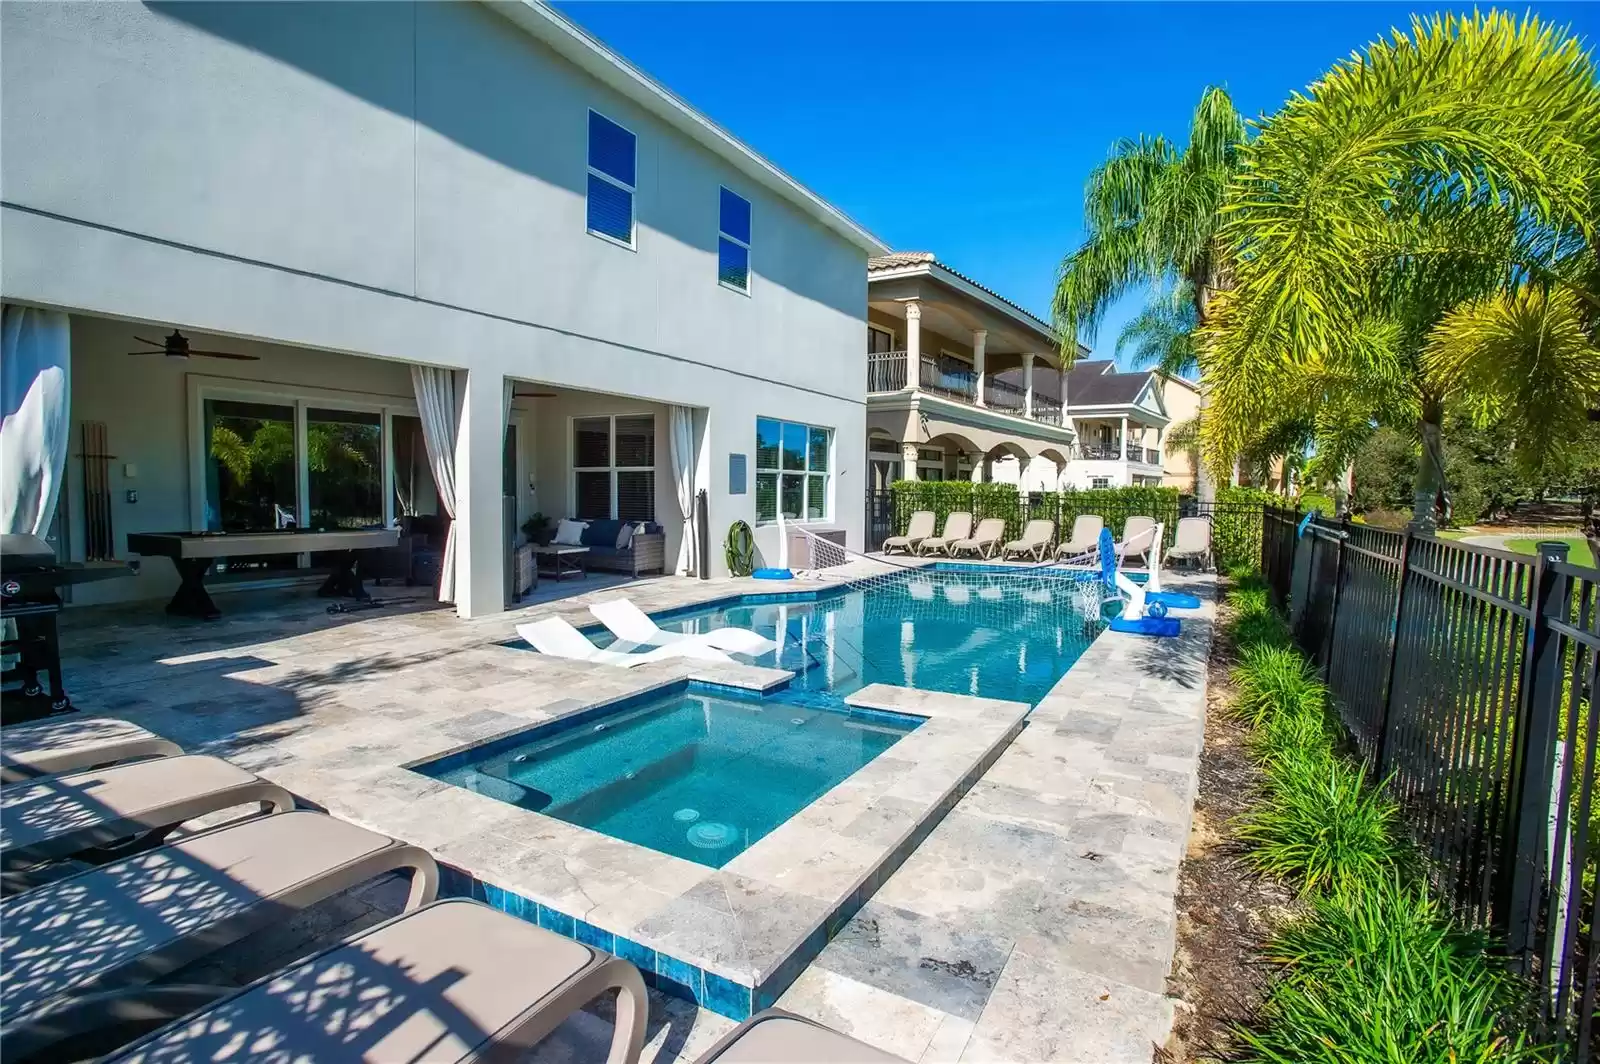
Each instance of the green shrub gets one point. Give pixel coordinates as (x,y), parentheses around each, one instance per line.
(1236,525)
(1276,680)
(1383,978)
(1321,825)
(1315,500)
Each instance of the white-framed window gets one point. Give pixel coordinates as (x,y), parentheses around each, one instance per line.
(1099,482)
(613,155)
(879,341)
(733,241)
(793,465)
(614,467)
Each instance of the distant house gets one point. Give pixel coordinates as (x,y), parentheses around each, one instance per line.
(962,383)
(1181,397)
(615,304)
(1119,419)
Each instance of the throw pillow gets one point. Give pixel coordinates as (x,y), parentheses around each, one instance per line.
(570,533)
(625,536)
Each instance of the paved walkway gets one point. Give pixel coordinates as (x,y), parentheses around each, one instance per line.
(1035,923)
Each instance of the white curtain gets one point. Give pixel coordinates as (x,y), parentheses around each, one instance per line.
(35,375)
(436,406)
(680,431)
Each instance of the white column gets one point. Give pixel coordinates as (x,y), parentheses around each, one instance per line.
(908,461)
(976,459)
(913,346)
(480,452)
(980,337)
(1027,384)
(1124,439)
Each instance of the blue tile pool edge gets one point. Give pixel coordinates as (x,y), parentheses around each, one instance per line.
(705,988)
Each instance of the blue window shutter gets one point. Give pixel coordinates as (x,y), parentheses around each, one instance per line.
(735,216)
(733,263)
(610,209)
(611,149)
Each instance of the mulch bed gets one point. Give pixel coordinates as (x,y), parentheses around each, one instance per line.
(1225,911)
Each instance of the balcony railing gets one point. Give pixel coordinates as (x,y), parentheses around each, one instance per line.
(886,371)
(1112,452)
(948,376)
(954,379)
(1003,395)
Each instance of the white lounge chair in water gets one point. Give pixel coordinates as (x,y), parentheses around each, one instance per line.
(628,622)
(559,639)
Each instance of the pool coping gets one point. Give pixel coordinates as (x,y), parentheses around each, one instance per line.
(784,898)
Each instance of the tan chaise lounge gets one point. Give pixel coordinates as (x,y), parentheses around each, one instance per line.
(132,921)
(957,526)
(919,528)
(1034,542)
(1192,542)
(53,817)
(1138,540)
(984,542)
(453,981)
(1085,536)
(71,743)
(778,1037)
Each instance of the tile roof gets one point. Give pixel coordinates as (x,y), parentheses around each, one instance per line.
(898,260)
(1097,383)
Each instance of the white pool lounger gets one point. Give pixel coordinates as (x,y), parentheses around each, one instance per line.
(628,622)
(556,637)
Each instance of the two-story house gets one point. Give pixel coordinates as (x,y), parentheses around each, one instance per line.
(961,382)
(375,214)
(1120,419)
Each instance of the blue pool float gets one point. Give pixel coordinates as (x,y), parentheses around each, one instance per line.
(1177,600)
(1166,627)
(773,574)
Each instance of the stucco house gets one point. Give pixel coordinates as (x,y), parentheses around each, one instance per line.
(1119,419)
(353,204)
(962,383)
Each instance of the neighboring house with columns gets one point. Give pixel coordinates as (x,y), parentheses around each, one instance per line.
(613,303)
(1120,419)
(961,382)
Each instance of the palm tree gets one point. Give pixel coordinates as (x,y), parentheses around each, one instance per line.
(1151,213)
(1418,231)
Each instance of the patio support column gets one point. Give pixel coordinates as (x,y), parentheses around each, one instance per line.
(908,461)
(1124,439)
(913,349)
(980,338)
(976,458)
(479,523)
(1027,384)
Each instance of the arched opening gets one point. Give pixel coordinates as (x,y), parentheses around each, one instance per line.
(947,456)
(885,460)
(1006,463)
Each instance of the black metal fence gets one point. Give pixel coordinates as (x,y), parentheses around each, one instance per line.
(1464,675)
(1235,527)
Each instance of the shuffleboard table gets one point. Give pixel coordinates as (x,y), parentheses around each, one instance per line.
(193,553)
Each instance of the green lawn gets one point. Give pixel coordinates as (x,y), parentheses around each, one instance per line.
(1577,547)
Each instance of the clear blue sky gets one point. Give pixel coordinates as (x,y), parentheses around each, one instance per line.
(968,129)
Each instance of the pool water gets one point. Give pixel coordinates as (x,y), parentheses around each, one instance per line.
(701,778)
(964,630)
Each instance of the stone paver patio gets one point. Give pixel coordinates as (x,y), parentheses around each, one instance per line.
(1035,922)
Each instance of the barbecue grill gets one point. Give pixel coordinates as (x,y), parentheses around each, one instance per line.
(30,596)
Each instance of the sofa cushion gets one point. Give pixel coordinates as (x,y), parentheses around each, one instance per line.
(608,552)
(601,533)
(571,533)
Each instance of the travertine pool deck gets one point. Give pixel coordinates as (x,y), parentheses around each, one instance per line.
(1035,922)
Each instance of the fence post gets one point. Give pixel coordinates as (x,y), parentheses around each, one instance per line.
(1338,587)
(1533,754)
(1382,753)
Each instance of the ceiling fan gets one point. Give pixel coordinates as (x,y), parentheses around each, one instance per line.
(177,346)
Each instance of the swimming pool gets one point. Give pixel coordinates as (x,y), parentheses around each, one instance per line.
(688,774)
(963,629)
